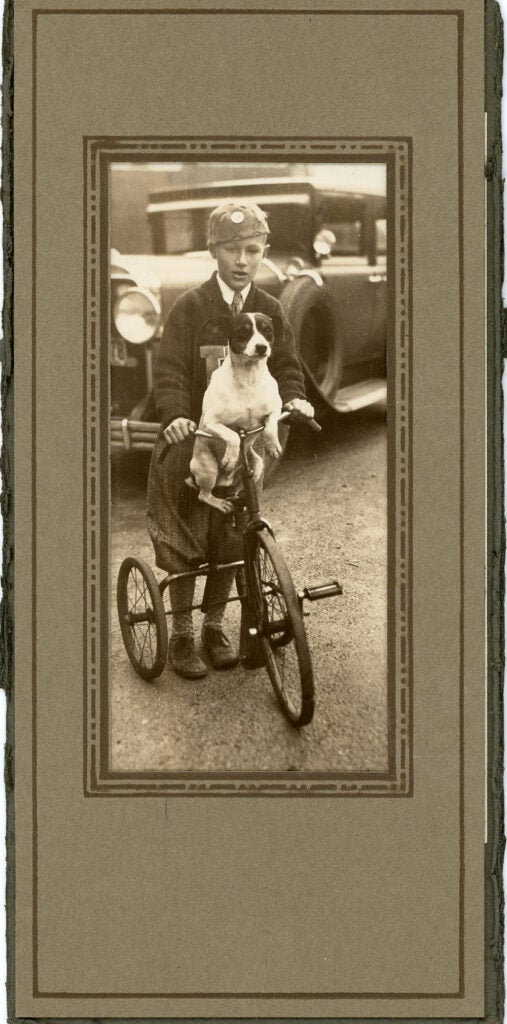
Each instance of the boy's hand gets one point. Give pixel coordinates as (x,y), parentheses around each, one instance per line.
(302,407)
(179,429)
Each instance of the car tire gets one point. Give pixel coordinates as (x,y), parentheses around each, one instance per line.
(309,309)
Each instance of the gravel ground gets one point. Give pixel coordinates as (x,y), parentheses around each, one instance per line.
(327,503)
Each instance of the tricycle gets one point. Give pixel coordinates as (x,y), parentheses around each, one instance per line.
(272,631)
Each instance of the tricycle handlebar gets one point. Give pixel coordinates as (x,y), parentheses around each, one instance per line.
(312,424)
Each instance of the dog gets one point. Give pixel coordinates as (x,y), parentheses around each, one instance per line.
(241,393)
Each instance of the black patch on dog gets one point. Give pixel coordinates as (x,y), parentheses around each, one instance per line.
(241,333)
(215,331)
(237,331)
(264,326)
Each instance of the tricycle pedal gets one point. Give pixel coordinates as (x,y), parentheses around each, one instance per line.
(320,590)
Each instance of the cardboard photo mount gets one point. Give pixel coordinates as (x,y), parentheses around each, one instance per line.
(130,908)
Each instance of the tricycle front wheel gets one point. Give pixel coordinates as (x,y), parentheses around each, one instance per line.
(281,628)
(142,618)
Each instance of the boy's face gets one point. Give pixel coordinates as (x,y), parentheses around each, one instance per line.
(238,261)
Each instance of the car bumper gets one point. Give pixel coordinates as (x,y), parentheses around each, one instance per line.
(133,435)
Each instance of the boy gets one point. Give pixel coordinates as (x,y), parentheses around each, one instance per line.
(177,522)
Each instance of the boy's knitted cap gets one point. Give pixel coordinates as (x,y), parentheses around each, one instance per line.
(232,220)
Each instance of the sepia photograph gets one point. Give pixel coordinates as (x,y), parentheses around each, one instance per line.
(248,467)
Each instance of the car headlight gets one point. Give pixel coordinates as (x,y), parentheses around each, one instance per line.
(136,315)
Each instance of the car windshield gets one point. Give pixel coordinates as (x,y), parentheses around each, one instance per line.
(184,229)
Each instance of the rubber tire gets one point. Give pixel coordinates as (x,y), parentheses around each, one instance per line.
(151,669)
(261,547)
(309,309)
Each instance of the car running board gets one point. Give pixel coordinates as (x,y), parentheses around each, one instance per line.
(359,395)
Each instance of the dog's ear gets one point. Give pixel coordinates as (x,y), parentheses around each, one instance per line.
(215,331)
(267,326)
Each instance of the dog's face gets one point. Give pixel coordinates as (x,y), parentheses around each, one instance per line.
(251,335)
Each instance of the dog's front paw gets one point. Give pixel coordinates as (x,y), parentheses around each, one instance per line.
(273,448)
(231,457)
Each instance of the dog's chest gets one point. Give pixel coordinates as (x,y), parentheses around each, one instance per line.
(254,397)
(241,397)
(247,406)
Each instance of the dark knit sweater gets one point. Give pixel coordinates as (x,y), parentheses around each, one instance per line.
(180,371)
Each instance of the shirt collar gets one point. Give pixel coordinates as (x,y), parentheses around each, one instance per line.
(228,294)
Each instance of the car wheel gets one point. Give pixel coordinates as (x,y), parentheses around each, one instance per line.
(309,309)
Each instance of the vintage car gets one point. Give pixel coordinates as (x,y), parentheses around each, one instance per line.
(326,264)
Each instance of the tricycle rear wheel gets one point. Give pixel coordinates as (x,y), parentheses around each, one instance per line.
(142,618)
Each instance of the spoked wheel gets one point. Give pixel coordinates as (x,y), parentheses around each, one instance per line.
(142,618)
(281,627)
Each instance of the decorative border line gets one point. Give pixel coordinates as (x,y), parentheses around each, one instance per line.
(99,780)
(263,11)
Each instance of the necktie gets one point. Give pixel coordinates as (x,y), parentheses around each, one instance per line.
(237,304)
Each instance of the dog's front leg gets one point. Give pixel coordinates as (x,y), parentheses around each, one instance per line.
(256,464)
(271,442)
(231,438)
(204,469)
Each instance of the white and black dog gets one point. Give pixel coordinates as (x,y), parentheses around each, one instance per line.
(241,393)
